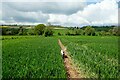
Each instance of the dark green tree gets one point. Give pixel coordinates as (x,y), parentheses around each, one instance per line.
(59,34)
(110,31)
(102,33)
(39,29)
(48,32)
(20,30)
(89,31)
(78,32)
(116,31)
(67,33)
(30,32)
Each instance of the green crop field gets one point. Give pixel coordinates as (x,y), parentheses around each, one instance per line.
(97,57)
(39,57)
(31,57)
(62,40)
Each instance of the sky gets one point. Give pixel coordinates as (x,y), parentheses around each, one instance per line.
(59,12)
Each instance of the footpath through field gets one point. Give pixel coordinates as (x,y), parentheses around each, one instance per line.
(72,72)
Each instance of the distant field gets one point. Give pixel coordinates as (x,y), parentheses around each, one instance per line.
(62,31)
(31,57)
(4,26)
(95,56)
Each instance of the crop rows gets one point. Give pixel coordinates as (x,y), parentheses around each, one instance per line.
(97,57)
(13,37)
(32,57)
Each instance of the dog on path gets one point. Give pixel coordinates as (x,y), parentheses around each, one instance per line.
(63,53)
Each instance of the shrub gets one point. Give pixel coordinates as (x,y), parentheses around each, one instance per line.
(48,32)
(68,33)
(30,32)
(59,34)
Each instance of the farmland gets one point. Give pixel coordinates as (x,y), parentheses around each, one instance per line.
(31,57)
(39,56)
(62,40)
(97,57)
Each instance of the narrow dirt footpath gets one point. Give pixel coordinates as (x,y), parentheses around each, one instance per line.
(72,72)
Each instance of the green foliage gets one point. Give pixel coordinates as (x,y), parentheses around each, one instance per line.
(67,33)
(39,29)
(116,31)
(103,28)
(59,34)
(110,31)
(71,31)
(78,32)
(4,30)
(10,31)
(62,31)
(102,33)
(31,57)
(97,57)
(48,32)
(21,31)
(89,31)
(30,32)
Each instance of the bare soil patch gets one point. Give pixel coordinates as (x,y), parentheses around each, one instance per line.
(71,70)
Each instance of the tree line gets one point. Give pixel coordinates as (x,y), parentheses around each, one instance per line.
(41,29)
(94,31)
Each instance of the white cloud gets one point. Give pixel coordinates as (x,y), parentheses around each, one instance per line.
(71,13)
(11,15)
(36,12)
(56,18)
(1,13)
(103,13)
(71,20)
(46,7)
(43,0)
